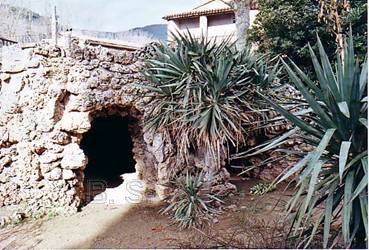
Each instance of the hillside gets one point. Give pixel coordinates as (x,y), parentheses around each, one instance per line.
(140,35)
(23,25)
(159,31)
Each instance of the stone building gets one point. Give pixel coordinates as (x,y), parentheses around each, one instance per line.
(214,19)
(52,99)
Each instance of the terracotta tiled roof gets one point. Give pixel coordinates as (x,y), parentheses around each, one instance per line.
(203,11)
(189,14)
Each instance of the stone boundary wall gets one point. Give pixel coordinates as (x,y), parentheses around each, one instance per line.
(48,98)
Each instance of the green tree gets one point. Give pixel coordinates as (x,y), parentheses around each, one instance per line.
(285,27)
(340,16)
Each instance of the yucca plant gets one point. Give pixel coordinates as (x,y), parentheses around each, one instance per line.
(332,184)
(192,203)
(203,93)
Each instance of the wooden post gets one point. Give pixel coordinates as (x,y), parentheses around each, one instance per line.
(54,27)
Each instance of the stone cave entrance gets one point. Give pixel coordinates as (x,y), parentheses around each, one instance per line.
(108,147)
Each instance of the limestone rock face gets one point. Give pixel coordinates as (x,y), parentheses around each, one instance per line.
(73,157)
(54,174)
(48,98)
(77,122)
(68,174)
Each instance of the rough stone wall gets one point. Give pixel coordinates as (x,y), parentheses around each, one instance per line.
(48,98)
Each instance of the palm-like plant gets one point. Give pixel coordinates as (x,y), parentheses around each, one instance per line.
(202,91)
(193,203)
(333,179)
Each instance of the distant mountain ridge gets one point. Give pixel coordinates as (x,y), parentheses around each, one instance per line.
(139,35)
(24,25)
(157,30)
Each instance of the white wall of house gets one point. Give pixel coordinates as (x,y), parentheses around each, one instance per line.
(221,27)
(216,27)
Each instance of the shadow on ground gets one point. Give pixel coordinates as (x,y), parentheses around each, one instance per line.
(141,226)
(144,227)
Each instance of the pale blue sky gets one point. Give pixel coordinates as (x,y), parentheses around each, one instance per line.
(109,15)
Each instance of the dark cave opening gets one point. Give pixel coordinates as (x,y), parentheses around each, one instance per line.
(108,146)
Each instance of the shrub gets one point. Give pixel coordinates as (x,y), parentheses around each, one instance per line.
(204,93)
(334,176)
(192,202)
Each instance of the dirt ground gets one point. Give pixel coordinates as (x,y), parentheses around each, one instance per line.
(247,221)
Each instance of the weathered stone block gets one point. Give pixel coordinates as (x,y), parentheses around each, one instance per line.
(34,63)
(68,174)
(54,174)
(77,122)
(73,157)
(49,157)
